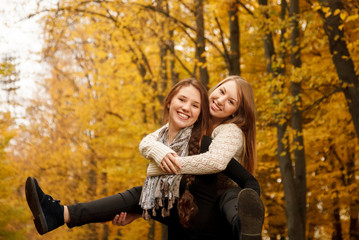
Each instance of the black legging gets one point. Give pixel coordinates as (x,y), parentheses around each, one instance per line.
(105,209)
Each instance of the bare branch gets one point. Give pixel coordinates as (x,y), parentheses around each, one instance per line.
(176,20)
(175,55)
(114,114)
(226,54)
(187,7)
(318,101)
(245,8)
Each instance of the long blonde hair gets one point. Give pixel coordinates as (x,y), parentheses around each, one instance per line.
(245,119)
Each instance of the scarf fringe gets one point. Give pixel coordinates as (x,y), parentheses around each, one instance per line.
(165,212)
(159,193)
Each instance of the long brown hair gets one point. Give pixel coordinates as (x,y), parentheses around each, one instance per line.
(186,205)
(245,119)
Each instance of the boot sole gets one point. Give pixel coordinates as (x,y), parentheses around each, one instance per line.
(251,214)
(35,206)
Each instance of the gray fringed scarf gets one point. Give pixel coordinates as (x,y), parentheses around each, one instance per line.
(162,191)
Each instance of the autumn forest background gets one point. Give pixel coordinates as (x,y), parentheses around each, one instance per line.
(112,62)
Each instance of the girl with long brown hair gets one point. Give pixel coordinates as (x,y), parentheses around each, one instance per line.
(233,129)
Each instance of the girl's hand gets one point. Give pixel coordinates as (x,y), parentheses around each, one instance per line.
(169,163)
(123,219)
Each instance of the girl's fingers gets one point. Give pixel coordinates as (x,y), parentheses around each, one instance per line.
(122,218)
(164,165)
(174,161)
(115,219)
(119,219)
(161,166)
(172,169)
(167,165)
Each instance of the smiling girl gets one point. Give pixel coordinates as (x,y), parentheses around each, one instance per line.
(233,127)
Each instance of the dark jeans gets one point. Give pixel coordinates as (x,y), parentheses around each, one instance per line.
(105,209)
(228,204)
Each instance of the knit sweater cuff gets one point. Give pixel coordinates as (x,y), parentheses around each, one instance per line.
(154,170)
(159,152)
(152,149)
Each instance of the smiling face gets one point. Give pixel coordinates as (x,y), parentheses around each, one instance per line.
(223,101)
(184,108)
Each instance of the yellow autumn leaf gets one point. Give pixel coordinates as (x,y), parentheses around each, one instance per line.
(328,13)
(336,12)
(343,15)
(282,154)
(352,18)
(316,6)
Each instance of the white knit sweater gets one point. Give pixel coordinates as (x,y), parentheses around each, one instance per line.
(227,143)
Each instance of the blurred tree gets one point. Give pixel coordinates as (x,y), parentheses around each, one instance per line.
(12,216)
(9,79)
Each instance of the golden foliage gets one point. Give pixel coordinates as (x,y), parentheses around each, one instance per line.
(107,78)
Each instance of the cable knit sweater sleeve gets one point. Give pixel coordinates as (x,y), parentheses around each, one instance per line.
(227,142)
(154,170)
(152,149)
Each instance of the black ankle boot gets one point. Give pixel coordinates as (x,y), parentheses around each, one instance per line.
(250,214)
(48,213)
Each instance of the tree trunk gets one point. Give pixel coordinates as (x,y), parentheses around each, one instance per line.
(200,43)
(341,58)
(151,231)
(164,232)
(163,53)
(294,223)
(145,72)
(337,226)
(163,71)
(354,212)
(174,73)
(170,47)
(234,38)
(105,232)
(297,121)
(311,231)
